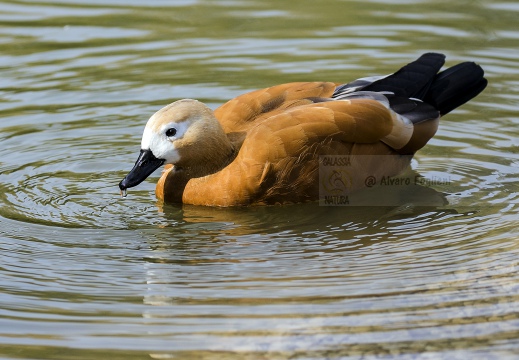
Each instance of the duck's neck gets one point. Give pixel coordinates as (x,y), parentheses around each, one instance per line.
(218,153)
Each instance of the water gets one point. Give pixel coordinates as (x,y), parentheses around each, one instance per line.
(86,274)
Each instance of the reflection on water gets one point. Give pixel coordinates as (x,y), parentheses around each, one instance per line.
(429,272)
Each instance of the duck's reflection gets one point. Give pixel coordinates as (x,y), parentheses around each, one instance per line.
(207,256)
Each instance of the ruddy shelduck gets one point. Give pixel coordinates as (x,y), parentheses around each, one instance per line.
(264,147)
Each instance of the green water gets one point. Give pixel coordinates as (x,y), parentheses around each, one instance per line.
(85,274)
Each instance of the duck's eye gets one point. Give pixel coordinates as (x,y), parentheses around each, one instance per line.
(171,132)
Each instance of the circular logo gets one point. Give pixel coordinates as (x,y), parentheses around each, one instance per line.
(337,181)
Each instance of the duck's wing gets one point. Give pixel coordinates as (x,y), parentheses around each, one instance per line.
(362,120)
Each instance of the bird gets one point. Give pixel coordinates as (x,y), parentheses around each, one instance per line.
(267,146)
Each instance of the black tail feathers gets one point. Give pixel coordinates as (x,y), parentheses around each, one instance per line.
(455,86)
(445,90)
(413,80)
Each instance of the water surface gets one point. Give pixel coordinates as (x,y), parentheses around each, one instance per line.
(85,274)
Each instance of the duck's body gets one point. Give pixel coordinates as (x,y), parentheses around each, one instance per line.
(264,147)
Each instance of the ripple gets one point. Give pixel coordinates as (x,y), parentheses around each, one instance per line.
(85,273)
(73,33)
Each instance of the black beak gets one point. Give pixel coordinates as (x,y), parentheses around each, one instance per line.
(144,166)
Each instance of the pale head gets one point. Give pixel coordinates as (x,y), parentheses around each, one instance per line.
(177,128)
(184,133)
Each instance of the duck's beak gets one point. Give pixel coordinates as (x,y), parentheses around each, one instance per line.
(146,164)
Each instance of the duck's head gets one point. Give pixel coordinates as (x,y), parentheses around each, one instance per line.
(183,133)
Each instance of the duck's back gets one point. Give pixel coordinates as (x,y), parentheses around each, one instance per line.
(247,110)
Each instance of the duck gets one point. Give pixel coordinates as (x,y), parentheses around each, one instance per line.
(269,146)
